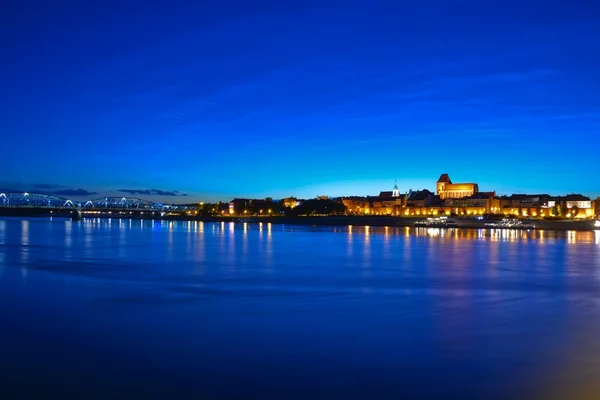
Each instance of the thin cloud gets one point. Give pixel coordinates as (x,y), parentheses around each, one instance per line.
(43,188)
(151,192)
(73,192)
(47,186)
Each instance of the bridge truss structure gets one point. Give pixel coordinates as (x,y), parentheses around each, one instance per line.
(24,199)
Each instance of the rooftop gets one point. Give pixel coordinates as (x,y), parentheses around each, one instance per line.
(420,195)
(445,178)
(576,197)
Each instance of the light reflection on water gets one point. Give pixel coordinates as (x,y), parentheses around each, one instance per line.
(2,231)
(393,308)
(2,253)
(24,246)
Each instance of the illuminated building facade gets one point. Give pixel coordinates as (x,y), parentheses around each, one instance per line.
(419,198)
(448,190)
(357,205)
(466,199)
(386,205)
(250,206)
(291,202)
(527,201)
(543,205)
(579,201)
(577,205)
(477,204)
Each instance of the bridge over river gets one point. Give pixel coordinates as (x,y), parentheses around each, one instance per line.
(122,205)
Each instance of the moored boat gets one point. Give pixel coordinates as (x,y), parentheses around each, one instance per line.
(510,223)
(437,222)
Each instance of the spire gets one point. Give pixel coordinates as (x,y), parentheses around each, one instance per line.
(396,191)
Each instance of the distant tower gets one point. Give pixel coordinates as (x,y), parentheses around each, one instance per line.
(396,191)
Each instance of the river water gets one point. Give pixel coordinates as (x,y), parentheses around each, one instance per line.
(105,308)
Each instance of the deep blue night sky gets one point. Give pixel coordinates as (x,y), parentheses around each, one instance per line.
(253,99)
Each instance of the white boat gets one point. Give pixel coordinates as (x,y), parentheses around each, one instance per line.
(437,222)
(510,223)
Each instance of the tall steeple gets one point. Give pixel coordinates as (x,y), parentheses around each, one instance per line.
(396,191)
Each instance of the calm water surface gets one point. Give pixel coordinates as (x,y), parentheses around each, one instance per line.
(95,308)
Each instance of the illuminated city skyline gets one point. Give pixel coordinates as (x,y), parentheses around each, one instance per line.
(242,99)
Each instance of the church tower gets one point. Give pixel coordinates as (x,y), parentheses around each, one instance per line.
(441,184)
(396,191)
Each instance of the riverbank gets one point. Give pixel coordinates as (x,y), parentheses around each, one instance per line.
(341,220)
(345,220)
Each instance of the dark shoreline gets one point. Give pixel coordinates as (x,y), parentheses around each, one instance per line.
(342,220)
(382,221)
